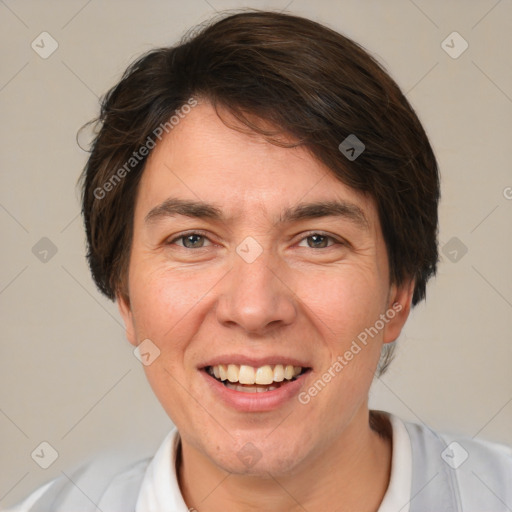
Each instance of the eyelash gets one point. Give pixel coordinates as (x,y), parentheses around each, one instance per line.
(308,235)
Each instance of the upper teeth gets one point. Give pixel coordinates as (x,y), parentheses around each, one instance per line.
(248,375)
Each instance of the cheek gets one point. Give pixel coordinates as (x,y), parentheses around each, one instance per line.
(343,302)
(160,298)
(169,304)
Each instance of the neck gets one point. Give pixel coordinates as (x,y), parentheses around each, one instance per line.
(353,473)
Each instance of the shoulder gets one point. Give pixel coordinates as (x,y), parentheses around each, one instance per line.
(459,449)
(110,482)
(481,467)
(102,484)
(479,472)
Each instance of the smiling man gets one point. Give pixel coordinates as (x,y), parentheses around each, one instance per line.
(261,201)
(252,267)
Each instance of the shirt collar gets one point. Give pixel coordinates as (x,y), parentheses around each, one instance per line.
(398,493)
(160,489)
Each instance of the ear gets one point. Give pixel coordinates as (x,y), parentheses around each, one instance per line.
(123,304)
(399,307)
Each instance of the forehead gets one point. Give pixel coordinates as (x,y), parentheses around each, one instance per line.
(201,159)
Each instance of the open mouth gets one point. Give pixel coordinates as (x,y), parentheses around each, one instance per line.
(248,379)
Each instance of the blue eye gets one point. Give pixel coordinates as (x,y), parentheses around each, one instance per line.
(191,241)
(196,240)
(319,241)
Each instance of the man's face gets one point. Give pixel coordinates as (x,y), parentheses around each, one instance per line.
(256,280)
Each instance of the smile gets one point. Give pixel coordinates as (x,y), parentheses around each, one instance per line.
(248,379)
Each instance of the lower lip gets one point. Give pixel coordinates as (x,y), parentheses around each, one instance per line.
(255,402)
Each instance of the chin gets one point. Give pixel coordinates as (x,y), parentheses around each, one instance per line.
(260,457)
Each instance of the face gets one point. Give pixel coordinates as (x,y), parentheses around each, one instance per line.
(253,263)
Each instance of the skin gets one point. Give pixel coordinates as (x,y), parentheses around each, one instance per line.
(306,298)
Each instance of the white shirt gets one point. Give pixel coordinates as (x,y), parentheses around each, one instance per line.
(156,494)
(421,480)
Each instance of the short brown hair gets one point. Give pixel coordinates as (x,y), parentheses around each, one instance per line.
(308,81)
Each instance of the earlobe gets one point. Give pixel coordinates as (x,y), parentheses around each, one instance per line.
(399,307)
(123,305)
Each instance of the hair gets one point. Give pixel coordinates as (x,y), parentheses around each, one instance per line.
(312,84)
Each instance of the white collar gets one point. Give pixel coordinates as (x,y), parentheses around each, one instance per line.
(398,493)
(160,489)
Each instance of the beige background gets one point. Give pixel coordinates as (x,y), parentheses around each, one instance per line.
(67,374)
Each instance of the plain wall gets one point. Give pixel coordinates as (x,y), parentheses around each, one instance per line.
(67,374)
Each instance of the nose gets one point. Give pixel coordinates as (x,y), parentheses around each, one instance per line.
(256,297)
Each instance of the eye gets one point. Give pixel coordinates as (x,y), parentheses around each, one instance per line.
(191,241)
(319,241)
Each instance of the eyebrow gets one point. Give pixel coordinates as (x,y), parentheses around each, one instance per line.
(201,210)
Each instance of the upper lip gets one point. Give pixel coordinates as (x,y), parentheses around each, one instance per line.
(255,362)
